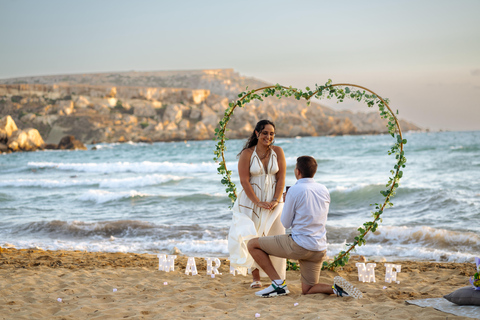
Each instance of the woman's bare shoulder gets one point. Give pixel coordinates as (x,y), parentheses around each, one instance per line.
(277,149)
(247,152)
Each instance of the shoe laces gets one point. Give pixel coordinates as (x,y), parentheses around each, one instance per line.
(276,286)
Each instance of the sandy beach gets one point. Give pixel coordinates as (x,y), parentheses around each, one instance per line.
(39,284)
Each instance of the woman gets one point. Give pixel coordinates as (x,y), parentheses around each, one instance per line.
(259,204)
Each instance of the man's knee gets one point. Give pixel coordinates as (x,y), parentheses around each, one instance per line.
(253,244)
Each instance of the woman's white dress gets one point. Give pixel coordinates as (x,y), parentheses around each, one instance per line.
(250,221)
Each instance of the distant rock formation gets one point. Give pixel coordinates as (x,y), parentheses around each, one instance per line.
(25,140)
(164,106)
(7,127)
(70,143)
(13,140)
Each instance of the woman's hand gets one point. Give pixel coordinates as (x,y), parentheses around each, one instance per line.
(268,205)
(273,204)
(264,205)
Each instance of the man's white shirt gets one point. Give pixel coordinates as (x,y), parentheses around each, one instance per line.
(305,212)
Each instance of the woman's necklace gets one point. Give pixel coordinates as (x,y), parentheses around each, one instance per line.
(265,154)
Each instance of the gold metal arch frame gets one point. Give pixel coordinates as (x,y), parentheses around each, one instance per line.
(340,91)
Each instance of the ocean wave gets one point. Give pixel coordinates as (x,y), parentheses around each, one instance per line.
(74,181)
(117,144)
(143,181)
(391,253)
(391,243)
(102,196)
(192,197)
(47,183)
(421,242)
(465,149)
(282,141)
(355,196)
(363,187)
(367,192)
(5,197)
(428,237)
(292,161)
(134,230)
(192,248)
(136,167)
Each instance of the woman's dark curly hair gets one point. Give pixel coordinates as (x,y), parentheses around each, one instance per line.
(253,140)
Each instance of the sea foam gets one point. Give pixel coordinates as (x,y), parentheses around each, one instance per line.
(429,237)
(102,196)
(136,167)
(104,182)
(415,242)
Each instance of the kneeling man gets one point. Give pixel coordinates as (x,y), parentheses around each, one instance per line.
(305,211)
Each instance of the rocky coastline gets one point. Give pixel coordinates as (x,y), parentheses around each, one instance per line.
(162,106)
(13,139)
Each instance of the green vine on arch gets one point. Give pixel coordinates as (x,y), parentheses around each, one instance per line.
(340,91)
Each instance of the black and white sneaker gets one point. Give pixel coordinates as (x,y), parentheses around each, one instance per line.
(273,290)
(339,291)
(343,288)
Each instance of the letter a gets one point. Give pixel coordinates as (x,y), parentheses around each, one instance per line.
(191,267)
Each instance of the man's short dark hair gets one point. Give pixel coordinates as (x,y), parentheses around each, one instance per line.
(307,166)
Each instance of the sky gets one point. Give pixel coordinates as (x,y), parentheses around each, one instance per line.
(423,55)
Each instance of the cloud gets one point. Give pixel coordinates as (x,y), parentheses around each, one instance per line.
(475,72)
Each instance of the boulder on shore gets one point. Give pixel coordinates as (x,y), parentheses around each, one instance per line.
(12,139)
(51,146)
(69,142)
(3,148)
(25,140)
(7,127)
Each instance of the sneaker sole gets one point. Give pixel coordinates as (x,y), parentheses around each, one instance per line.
(348,287)
(275,294)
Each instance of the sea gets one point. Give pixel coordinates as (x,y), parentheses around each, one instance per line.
(153,198)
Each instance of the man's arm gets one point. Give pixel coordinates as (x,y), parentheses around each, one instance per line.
(288,210)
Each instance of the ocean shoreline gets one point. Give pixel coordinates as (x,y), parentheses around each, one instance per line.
(152,198)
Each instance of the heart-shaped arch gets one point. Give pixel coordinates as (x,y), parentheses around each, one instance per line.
(340,91)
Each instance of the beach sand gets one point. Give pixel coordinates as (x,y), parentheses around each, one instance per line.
(33,280)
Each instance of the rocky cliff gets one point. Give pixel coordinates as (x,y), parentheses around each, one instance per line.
(163,106)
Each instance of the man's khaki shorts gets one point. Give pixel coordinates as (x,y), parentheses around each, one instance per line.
(283,246)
